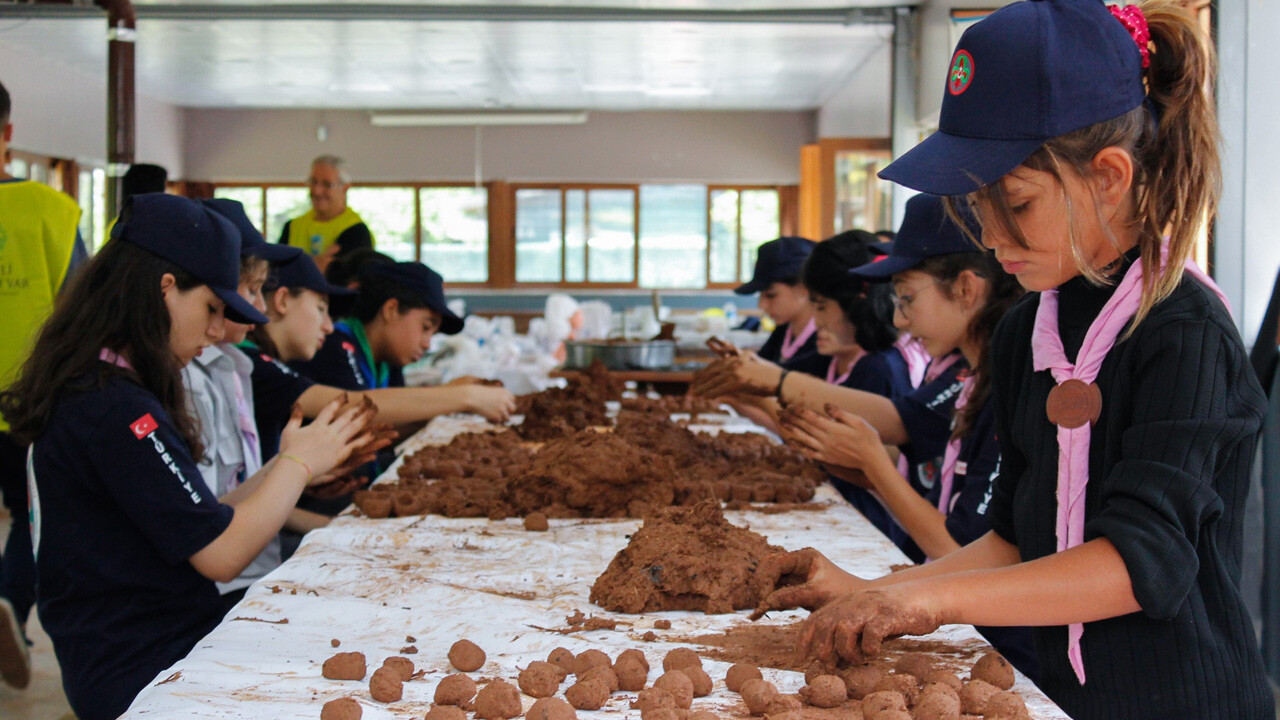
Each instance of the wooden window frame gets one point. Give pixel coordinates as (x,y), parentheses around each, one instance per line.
(563,188)
(787,214)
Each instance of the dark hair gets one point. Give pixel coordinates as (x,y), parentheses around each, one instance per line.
(249,264)
(866,305)
(1003,291)
(6,106)
(375,292)
(348,267)
(259,335)
(113,302)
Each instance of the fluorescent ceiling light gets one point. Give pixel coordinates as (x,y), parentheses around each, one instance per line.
(677,91)
(437,119)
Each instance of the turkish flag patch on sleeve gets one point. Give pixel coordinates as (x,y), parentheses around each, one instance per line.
(143,426)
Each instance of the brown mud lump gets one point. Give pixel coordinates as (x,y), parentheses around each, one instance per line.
(680,687)
(345,666)
(649,636)
(536,522)
(783,703)
(455,689)
(446,712)
(1006,706)
(943,677)
(540,679)
(466,656)
(374,505)
(551,708)
(335,642)
(757,694)
(499,700)
(636,655)
(992,668)
(936,706)
(663,714)
(653,699)
(739,674)
(825,691)
(587,694)
(562,657)
(386,686)
(661,624)
(914,663)
(703,715)
(702,683)
(937,688)
(604,674)
(341,709)
(861,680)
(881,702)
(588,659)
(785,715)
(632,676)
(680,657)
(974,696)
(908,685)
(402,666)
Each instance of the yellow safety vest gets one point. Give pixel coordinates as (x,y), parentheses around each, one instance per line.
(314,236)
(37,235)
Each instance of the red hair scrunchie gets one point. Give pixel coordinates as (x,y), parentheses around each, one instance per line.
(1135,22)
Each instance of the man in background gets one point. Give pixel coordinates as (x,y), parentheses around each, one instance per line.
(329,229)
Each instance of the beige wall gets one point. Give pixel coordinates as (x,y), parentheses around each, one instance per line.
(746,147)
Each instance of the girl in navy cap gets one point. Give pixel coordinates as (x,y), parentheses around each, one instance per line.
(783,297)
(128,539)
(1124,403)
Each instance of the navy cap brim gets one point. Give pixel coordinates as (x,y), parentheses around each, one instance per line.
(270,252)
(238,309)
(751,288)
(450,324)
(955,165)
(885,268)
(881,248)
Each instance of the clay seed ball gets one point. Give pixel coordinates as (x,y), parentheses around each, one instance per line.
(402,666)
(937,688)
(936,706)
(536,522)
(782,703)
(993,669)
(604,674)
(499,700)
(825,691)
(344,666)
(662,714)
(341,709)
(861,680)
(914,663)
(757,694)
(881,702)
(653,699)
(680,687)
(562,657)
(785,715)
(942,677)
(635,655)
(894,715)
(702,715)
(631,675)
(908,685)
(974,696)
(1007,706)
(739,674)
(551,708)
(455,689)
(587,694)
(335,642)
(661,624)
(386,686)
(445,712)
(466,656)
(540,679)
(680,657)
(588,659)
(702,681)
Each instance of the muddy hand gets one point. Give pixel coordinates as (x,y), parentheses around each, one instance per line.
(853,627)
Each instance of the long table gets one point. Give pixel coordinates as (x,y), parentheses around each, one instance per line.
(381,586)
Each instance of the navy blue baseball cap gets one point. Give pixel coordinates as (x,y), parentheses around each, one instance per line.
(1029,72)
(419,280)
(301,272)
(194,238)
(927,231)
(252,244)
(777,260)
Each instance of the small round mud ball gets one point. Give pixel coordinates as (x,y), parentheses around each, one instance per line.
(653,699)
(942,677)
(861,680)
(562,657)
(551,708)
(1006,706)
(908,685)
(783,703)
(914,663)
(632,676)
(335,642)
(739,674)
(701,680)
(540,679)
(386,686)
(974,696)
(587,694)
(536,522)
(499,700)
(635,655)
(661,624)
(757,694)
(604,674)
(588,659)
(341,709)
(680,657)
(825,691)
(937,688)
(680,687)
(881,702)
(446,712)
(992,668)
(402,666)
(455,689)
(937,706)
(344,666)
(466,656)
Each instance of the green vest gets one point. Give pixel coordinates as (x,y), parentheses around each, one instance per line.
(314,236)
(37,235)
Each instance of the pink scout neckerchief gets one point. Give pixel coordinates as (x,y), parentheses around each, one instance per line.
(952,455)
(790,345)
(1081,408)
(110,356)
(248,429)
(915,355)
(931,372)
(833,367)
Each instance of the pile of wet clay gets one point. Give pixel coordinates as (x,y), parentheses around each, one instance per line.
(669,404)
(556,412)
(687,558)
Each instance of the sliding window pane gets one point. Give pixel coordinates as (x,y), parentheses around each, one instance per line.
(84,189)
(284,204)
(388,211)
(250,198)
(673,236)
(613,236)
(724,237)
(760,224)
(538,239)
(575,235)
(455,232)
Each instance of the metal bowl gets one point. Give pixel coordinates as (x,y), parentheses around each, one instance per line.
(618,355)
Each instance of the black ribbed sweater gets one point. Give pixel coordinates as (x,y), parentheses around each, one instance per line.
(1169,473)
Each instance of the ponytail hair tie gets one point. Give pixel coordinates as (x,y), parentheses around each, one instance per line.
(1135,22)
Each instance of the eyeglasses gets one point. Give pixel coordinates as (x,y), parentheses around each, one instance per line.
(902,303)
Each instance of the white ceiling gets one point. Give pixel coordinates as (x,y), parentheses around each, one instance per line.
(460,64)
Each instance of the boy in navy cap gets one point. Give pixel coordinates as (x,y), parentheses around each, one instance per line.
(793,343)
